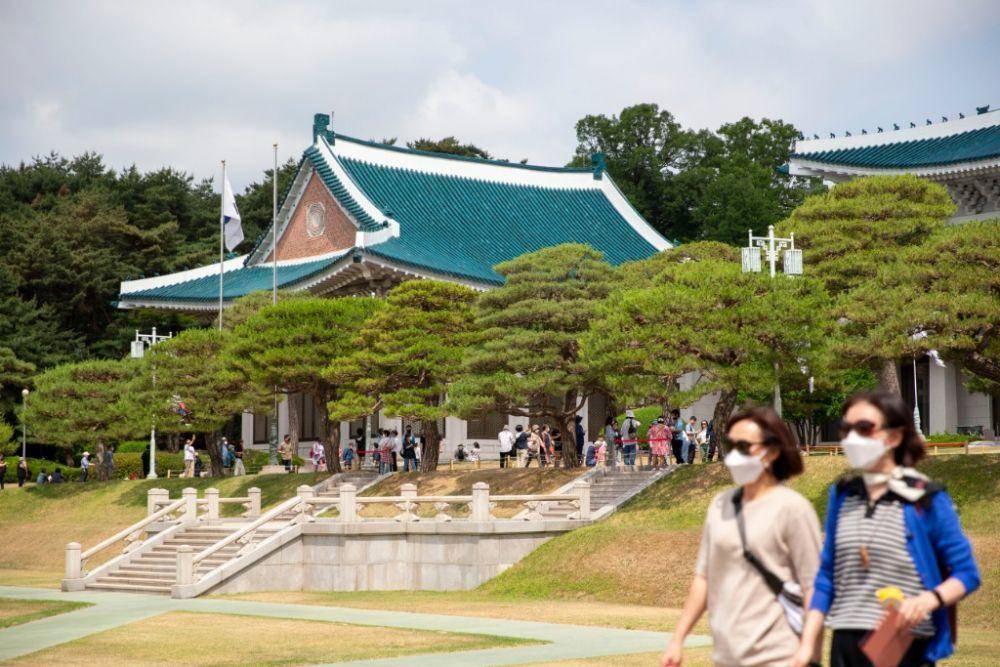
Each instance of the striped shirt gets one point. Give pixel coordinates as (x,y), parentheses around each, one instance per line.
(882,531)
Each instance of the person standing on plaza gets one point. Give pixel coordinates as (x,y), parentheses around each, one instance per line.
(409,451)
(476,455)
(601,451)
(22,471)
(611,437)
(506,444)
(677,436)
(317,456)
(547,452)
(285,453)
(760,539)
(3,470)
(701,437)
(520,445)
(534,446)
(630,437)
(238,468)
(887,525)
(580,435)
(690,439)
(658,439)
(84,467)
(385,449)
(189,456)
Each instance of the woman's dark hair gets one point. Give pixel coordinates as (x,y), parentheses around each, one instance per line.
(776,434)
(895,414)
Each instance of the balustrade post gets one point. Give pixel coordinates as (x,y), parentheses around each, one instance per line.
(185,564)
(155,498)
(254,494)
(212,496)
(408,490)
(348,502)
(190,496)
(305,492)
(74,564)
(583,491)
(480,501)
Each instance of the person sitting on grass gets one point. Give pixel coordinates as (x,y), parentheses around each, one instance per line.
(57,477)
(43,477)
(460,454)
(590,455)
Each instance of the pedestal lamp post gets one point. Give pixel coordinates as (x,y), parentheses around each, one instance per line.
(139,345)
(24,426)
(773,247)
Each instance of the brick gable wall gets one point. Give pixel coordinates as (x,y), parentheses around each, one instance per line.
(339,233)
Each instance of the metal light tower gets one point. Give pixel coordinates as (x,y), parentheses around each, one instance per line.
(139,345)
(772,247)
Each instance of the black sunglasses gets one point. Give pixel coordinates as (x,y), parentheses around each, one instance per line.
(743,446)
(862,427)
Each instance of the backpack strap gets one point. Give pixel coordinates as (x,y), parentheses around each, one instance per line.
(770,578)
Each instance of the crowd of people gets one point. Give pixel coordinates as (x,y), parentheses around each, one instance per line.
(889,571)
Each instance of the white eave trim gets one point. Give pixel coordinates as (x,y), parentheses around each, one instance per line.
(631,216)
(800,167)
(141,284)
(285,212)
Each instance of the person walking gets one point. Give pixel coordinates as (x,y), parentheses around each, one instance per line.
(506,444)
(611,437)
(887,525)
(84,467)
(630,438)
(189,456)
(476,455)
(580,434)
(285,453)
(22,471)
(385,449)
(758,537)
(317,456)
(601,451)
(534,446)
(409,450)
(658,436)
(677,436)
(701,437)
(690,440)
(3,470)
(238,468)
(547,452)
(520,445)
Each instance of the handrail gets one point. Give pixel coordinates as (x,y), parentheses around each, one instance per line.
(159,514)
(465,499)
(254,525)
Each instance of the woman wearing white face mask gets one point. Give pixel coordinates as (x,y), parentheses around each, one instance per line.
(887,525)
(759,551)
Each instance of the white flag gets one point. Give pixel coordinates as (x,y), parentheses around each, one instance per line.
(231,217)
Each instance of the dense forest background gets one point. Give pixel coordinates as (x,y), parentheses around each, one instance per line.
(72,228)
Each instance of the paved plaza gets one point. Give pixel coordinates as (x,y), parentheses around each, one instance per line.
(111,610)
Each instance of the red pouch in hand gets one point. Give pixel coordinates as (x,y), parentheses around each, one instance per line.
(886,645)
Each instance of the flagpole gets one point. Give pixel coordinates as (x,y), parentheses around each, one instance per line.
(274,229)
(222,239)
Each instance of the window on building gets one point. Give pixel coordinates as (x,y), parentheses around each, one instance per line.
(485,427)
(310,419)
(261,428)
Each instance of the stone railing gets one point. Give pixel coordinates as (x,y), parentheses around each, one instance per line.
(208,507)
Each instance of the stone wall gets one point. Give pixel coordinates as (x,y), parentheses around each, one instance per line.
(375,556)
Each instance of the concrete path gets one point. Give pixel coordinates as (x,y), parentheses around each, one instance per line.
(111,610)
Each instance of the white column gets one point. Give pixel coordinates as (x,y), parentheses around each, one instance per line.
(480,501)
(74,565)
(190,496)
(942,399)
(185,564)
(254,494)
(212,496)
(155,499)
(582,489)
(348,503)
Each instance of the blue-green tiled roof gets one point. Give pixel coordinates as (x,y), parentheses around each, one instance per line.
(238,282)
(968,146)
(365,221)
(464,226)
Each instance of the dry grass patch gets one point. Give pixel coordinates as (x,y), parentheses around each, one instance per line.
(182,638)
(14,612)
(693,657)
(508,481)
(471,603)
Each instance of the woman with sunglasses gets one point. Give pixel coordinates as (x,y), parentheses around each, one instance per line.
(760,520)
(887,525)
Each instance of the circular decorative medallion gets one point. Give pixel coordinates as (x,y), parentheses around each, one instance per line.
(315,220)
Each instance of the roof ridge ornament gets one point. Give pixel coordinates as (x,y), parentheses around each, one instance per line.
(981,110)
(321,127)
(600,165)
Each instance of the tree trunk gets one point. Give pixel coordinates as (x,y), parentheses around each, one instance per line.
(723,410)
(293,421)
(69,458)
(214,452)
(568,419)
(431,449)
(888,376)
(331,437)
(173,443)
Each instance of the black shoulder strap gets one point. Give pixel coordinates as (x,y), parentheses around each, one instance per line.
(771,579)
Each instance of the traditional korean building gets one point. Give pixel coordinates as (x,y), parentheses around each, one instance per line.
(963,154)
(361,217)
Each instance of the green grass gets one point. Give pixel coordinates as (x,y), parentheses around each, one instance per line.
(15,612)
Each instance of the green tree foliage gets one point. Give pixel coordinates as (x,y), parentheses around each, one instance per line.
(74,405)
(256,202)
(6,433)
(192,367)
(739,332)
(289,345)
(406,356)
(526,358)
(858,227)
(946,292)
(696,184)
(449,145)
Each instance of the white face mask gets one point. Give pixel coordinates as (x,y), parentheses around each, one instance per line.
(862,452)
(744,469)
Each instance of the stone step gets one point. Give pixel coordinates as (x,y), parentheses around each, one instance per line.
(128,588)
(140,577)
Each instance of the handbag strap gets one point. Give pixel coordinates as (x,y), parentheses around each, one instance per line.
(770,578)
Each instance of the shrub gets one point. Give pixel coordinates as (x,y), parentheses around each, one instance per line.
(133,446)
(951,437)
(34,466)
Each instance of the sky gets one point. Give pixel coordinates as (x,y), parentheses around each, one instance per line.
(187,84)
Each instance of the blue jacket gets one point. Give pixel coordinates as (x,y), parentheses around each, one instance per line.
(937,545)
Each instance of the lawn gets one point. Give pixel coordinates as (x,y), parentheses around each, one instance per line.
(15,612)
(36,523)
(182,638)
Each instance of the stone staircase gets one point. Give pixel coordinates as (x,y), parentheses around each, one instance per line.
(330,487)
(155,571)
(609,487)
